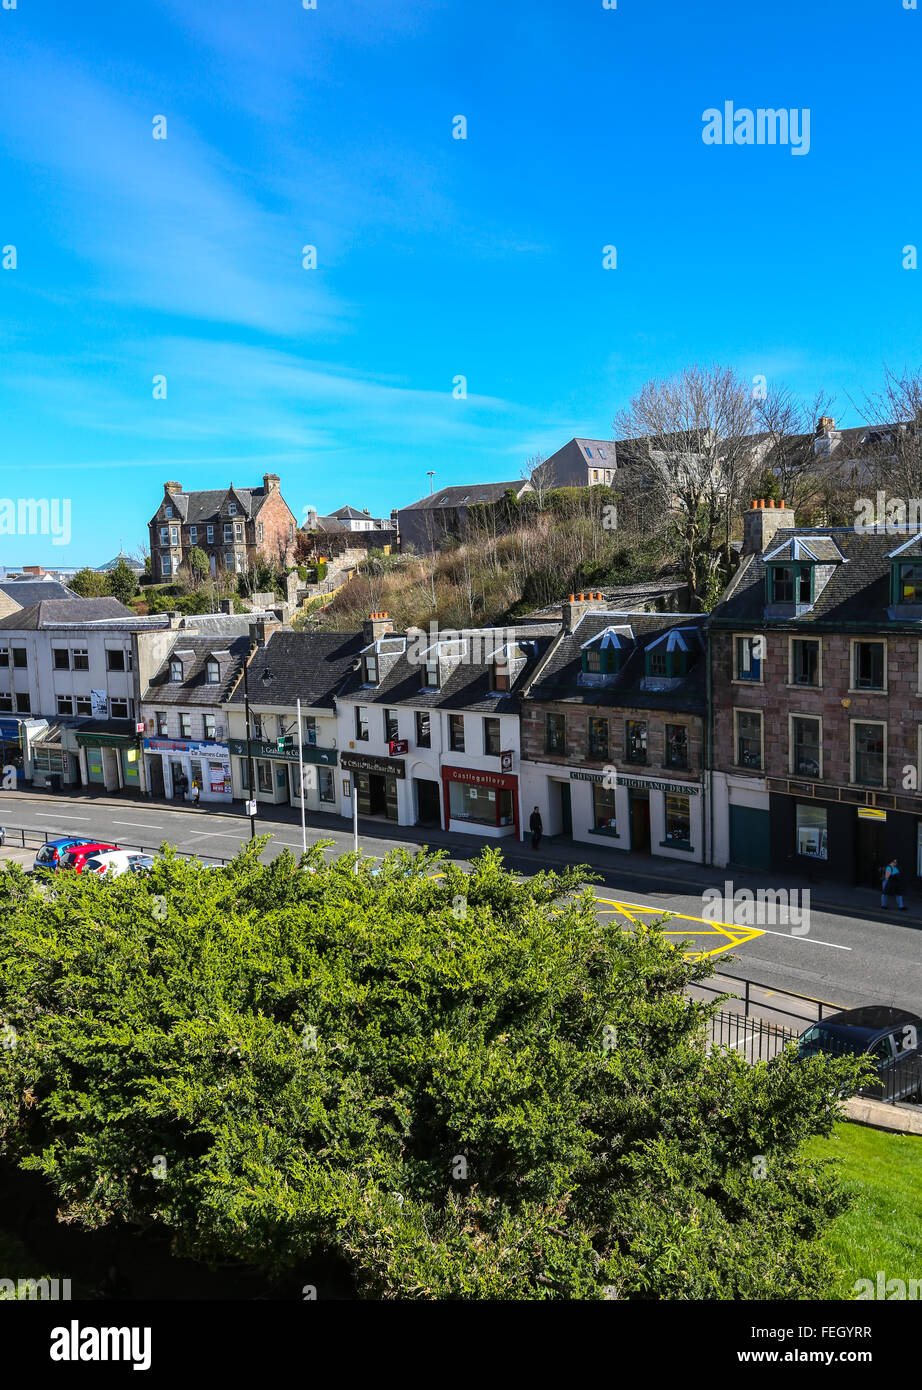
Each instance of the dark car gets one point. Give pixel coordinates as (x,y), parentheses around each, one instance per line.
(892,1038)
(52,852)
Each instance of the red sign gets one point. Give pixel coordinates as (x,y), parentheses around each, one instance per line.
(398,746)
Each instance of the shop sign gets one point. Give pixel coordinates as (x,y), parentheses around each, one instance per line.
(871,813)
(640,783)
(472,777)
(364,762)
(185,745)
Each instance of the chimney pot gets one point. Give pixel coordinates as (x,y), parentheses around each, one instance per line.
(771,502)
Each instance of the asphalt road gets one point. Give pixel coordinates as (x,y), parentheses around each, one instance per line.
(842,959)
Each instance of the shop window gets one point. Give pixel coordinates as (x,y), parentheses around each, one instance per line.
(749,658)
(245,774)
(868,754)
(327,784)
(487,805)
(555,734)
(805,661)
(65,704)
(20,660)
(603,809)
(810,831)
(391,726)
(678,822)
(598,738)
(635,741)
(161,723)
(264,775)
(456,733)
(676,745)
(185,726)
(48,760)
(868,671)
(491,738)
(61,659)
(81,659)
(423,729)
(748,738)
(805,746)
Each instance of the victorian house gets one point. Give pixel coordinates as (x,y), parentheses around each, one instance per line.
(233,527)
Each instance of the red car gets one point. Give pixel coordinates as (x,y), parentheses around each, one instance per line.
(76,858)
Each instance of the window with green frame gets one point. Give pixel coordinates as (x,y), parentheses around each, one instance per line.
(659,662)
(599,660)
(907,586)
(790,583)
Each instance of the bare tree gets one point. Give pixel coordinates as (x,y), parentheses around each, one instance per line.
(893,441)
(691,437)
(538,471)
(789,429)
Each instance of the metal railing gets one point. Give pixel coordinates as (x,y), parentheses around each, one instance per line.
(26,838)
(754,1038)
(746,997)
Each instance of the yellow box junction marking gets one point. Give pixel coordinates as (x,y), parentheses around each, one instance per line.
(727,934)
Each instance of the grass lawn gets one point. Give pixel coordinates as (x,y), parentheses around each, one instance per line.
(883,1230)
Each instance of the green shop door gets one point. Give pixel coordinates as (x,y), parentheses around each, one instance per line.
(94,767)
(750,845)
(131,768)
(566,810)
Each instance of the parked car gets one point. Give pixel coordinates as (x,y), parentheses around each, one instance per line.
(77,856)
(892,1038)
(50,855)
(141,864)
(115,862)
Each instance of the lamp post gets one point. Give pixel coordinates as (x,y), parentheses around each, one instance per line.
(265,677)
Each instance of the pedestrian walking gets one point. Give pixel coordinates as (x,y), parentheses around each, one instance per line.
(536,828)
(892,885)
(196,793)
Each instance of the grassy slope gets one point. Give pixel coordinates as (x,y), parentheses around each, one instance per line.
(883,1230)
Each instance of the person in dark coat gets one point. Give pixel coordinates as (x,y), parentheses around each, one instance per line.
(892,884)
(536,828)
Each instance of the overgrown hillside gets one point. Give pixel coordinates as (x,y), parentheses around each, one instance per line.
(516,556)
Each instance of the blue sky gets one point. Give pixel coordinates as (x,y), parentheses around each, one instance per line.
(437,257)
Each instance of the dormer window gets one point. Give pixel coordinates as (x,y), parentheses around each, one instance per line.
(232,509)
(790,584)
(666,664)
(431,674)
(371,668)
(909,582)
(176,672)
(212,672)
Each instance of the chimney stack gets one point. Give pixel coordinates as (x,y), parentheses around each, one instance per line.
(762,523)
(171,487)
(271,482)
(577,605)
(261,628)
(826,425)
(376,626)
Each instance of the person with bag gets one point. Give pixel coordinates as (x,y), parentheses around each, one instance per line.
(892,884)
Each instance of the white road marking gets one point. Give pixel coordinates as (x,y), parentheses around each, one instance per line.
(138,825)
(788,936)
(57,817)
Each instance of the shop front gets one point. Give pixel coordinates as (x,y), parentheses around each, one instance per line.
(54,760)
(12,747)
(110,758)
(829,837)
(177,765)
(480,803)
(645,815)
(277,773)
(376,783)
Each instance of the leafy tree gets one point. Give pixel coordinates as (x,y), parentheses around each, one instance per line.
(89,583)
(123,582)
(465,1086)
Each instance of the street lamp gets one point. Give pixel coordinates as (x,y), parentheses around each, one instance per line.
(265,677)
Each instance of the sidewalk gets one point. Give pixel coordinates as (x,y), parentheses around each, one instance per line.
(619,869)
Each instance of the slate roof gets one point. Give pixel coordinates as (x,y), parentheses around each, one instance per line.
(193,689)
(857,594)
(466,496)
(310,666)
(205,505)
(50,612)
(223,624)
(557,680)
(27,592)
(467,687)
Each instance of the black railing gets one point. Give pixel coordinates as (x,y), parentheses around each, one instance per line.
(818,1005)
(34,839)
(754,1038)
